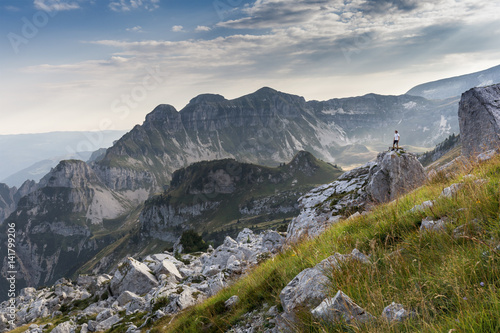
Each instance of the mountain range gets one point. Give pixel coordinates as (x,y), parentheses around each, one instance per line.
(80,213)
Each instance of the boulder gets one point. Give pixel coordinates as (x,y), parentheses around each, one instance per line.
(232,301)
(187,297)
(66,327)
(308,288)
(167,267)
(133,276)
(395,312)
(108,323)
(126,297)
(423,206)
(395,174)
(451,190)
(428,224)
(341,307)
(479,120)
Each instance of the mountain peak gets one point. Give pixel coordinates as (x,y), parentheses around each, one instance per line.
(161,112)
(267,90)
(207,98)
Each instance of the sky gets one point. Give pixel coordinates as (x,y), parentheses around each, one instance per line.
(72,65)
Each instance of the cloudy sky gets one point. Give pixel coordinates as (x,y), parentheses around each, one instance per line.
(104,64)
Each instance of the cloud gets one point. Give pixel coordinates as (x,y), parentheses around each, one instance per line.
(278,13)
(177,28)
(332,49)
(384,6)
(55,5)
(201,28)
(137,28)
(129,5)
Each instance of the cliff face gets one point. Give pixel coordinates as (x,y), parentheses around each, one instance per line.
(479,117)
(9,197)
(55,223)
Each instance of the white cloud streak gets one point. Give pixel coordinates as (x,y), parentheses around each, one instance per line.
(130,5)
(177,28)
(202,28)
(137,28)
(55,5)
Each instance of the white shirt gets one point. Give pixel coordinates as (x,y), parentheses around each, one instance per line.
(396,136)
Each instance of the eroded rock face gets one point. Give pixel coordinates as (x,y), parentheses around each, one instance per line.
(341,307)
(133,276)
(390,176)
(479,120)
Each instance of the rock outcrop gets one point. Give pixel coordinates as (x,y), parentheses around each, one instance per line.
(55,220)
(158,285)
(390,176)
(341,308)
(309,288)
(479,120)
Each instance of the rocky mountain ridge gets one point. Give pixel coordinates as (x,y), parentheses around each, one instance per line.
(267,127)
(455,86)
(209,195)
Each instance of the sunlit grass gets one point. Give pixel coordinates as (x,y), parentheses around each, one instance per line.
(451,281)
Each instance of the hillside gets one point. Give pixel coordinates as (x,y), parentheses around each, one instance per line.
(222,197)
(455,86)
(447,275)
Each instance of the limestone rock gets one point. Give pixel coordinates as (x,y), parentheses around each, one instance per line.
(126,297)
(66,327)
(395,175)
(430,225)
(487,155)
(133,276)
(167,267)
(479,120)
(307,289)
(395,312)
(423,206)
(232,301)
(341,307)
(391,175)
(108,323)
(451,190)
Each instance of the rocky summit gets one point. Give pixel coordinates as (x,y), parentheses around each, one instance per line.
(390,176)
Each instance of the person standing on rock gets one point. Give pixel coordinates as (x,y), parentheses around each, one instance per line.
(396,140)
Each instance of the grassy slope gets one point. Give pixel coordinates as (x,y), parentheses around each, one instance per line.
(453,284)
